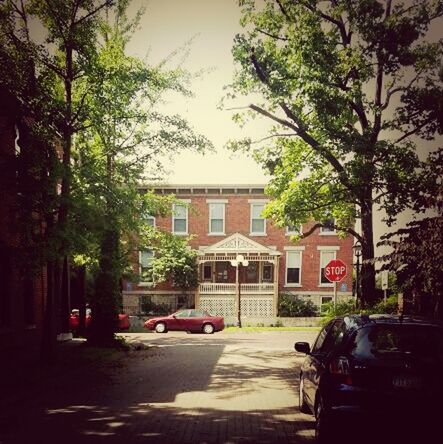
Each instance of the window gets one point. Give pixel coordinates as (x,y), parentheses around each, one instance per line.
(258,222)
(293,229)
(325,257)
(334,337)
(146,257)
(321,338)
(150,220)
(328,227)
(293,268)
(267,273)
(183,314)
(216,218)
(180,219)
(207,272)
(221,269)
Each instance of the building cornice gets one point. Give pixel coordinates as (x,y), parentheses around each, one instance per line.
(205,189)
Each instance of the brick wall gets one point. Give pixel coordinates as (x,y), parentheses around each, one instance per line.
(21,298)
(237,220)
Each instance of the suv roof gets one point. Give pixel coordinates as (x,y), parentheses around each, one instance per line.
(364,319)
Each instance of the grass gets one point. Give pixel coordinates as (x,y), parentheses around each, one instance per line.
(233,329)
(261,329)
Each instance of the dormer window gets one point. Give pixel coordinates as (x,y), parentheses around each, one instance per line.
(328,227)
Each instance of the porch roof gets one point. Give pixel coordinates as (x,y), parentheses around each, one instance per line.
(235,244)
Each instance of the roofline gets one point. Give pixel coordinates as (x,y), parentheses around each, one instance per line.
(201,185)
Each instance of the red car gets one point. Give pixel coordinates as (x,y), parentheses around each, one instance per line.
(123,320)
(187,320)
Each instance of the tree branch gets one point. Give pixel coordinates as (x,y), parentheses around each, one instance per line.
(93,12)
(276,37)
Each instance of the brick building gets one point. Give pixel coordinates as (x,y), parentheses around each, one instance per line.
(226,221)
(21,296)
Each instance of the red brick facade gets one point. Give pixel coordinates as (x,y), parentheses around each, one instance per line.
(237,219)
(21,297)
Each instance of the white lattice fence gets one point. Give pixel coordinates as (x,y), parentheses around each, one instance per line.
(218,306)
(254,307)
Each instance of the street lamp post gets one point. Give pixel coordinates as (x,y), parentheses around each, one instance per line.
(357,252)
(237,263)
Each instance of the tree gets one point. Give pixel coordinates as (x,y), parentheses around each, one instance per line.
(333,77)
(97,110)
(173,261)
(125,134)
(53,63)
(417,254)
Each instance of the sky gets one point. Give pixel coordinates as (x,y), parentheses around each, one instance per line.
(166,26)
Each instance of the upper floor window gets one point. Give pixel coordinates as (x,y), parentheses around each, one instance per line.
(258,222)
(216,218)
(326,256)
(150,220)
(328,227)
(293,229)
(180,219)
(145,259)
(293,267)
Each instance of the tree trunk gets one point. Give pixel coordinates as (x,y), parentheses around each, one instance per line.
(48,347)
(65,302)
(81,280)
(367,276)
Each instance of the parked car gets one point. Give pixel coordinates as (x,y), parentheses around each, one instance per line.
(369,370)
(187,320)
(74,320)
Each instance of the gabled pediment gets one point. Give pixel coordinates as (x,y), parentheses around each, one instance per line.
(237,243)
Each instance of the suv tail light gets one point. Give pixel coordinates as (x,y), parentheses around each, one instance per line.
(340,370)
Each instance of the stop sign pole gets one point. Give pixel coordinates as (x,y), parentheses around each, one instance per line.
(335,271)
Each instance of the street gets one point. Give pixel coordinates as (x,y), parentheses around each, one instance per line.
(185,388)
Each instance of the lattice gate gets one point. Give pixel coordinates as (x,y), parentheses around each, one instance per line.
(218,306)
(251,306)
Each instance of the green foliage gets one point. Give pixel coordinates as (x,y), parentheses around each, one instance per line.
(388,307)
(173,261)
(343,84)
(329,311)
(149,307)
(348,307)
(292,306)
(417,250)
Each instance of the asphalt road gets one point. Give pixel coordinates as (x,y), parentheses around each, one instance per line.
(185,388)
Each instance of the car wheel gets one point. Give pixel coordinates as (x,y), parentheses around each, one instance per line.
(208,329)
(324,432)
(301,398)
(160,327)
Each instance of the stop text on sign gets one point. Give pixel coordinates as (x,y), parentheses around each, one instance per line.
(335,270)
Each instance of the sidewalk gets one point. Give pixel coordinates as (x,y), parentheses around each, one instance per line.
(182,389)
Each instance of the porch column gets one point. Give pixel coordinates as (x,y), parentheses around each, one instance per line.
(197,291)
(276,276)
(237,291)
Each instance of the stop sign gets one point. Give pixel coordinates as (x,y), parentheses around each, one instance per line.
(335,271)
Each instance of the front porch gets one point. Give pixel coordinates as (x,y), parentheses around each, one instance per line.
(226,289)
(223,285)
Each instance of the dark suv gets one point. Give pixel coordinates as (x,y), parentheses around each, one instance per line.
(366,372)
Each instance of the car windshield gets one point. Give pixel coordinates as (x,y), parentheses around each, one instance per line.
(393,341)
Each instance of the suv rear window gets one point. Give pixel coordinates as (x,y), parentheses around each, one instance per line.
(379,341)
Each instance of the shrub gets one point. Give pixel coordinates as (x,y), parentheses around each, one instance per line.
(388,307)
(291,306)
(329,311)
(347,308)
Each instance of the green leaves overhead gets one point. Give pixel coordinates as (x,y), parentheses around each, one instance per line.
(346,86)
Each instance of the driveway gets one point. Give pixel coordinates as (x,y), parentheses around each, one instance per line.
(185,388)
